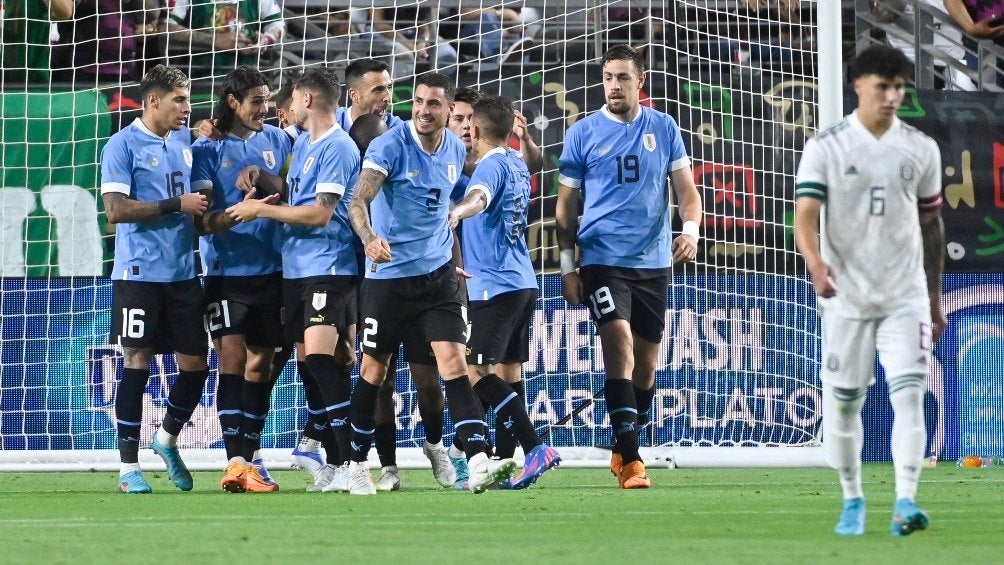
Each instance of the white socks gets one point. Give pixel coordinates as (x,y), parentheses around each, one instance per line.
(127,468)
(909,437)
(843,436)
(166,439)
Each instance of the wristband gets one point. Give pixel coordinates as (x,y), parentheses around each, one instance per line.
(169,205)
(567,259)
(690,228)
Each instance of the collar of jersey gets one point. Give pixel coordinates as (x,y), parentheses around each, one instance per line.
(238,138)
(493,151)
(610,115)
(856,122)
(414,135)
(327,133)
(138,122)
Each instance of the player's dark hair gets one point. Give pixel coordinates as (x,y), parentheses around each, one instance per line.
(284,95)
(161,79)
(624,53)
(496,115)
(239,83)
(323,84)
(356,69)
(882,60)
(365,129)
(467,94)
(438,80)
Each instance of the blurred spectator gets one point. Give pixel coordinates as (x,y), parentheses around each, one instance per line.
(104,40)
(237,32)
(982,19)
(948,39)
(405,36)
(26,37)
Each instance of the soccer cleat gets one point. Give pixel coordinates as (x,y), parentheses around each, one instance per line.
(633,476)
(616,463)
(459,462)
(339,481)
(233,478)
(176,469)
(907,518)
(322,478)
(360,481)
(852,518)
(134,483)
(539,460)
(487,473)
(259,466)
(390,479)
(442,469)
(307,457)
(255,482)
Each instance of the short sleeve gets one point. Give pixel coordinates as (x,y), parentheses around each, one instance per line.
(929,188)
(571,165)
(489,178)
(116,166)
(810,181)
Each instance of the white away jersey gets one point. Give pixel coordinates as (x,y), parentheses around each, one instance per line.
(872,191)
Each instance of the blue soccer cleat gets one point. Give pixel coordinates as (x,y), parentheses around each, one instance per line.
(852,518)
(907,518)
(538,461)
(460,466)
(176,469)
(134,483)
(259,465)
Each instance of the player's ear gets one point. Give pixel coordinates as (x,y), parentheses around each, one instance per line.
(232,101)
(641,80)
(152,100)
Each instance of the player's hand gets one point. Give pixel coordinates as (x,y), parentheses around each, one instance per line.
(684,249)
(571,288)
(194,203)
(519,128)
(248,178)
(247,209)
(462,274)
(824,280)
(453,219)
(207,128)
(378,250)
(938,320)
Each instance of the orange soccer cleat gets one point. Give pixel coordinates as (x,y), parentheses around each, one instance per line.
(633,476)
(616,463)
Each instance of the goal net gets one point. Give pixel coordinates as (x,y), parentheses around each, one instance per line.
(737,376)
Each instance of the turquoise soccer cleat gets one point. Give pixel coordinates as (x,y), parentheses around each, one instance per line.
(176,469)
(134,483)
(907,518)
(852,518)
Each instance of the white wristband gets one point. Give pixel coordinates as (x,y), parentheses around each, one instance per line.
(690,228)
(567,260)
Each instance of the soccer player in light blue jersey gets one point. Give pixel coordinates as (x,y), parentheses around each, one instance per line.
(243,272)
(411,283)
(318,254)
(369,88)
(618,161)
(503,286)
(157,302)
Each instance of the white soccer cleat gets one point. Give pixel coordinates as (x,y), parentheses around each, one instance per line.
(443,470)
(360,481)
(390,479)
(322,478)
(307,456)
(487,473)
(339,481)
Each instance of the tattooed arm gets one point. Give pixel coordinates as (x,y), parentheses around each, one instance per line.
(367,187)
(120,209)
(932,231)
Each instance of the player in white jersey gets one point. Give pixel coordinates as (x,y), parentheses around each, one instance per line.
(870,186)
(157,302)
(618,160)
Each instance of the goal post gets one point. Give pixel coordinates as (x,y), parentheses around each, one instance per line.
(737,378)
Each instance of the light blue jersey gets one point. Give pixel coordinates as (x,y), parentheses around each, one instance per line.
(144,166)
(622,171)
(344,117)
(411,209)
(328,164)
(494,241)
(250,248)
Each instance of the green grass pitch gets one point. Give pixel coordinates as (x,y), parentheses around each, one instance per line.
(570,516)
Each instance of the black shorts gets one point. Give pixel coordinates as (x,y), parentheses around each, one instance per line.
(250,306)
(418,351)
(423,308)
(500,328)
(328,300)
(635,295)
(164,316)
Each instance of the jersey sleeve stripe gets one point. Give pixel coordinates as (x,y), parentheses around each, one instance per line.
(371,165)
(811,190)
(569,181)
(331,188)
(115,187)
(930,202)
(484,190)
(204,184)
(680,163)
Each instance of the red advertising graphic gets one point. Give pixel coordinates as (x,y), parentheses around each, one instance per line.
(998,174)
(735,200)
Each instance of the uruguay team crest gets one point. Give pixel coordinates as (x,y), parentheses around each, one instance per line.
(451,173)
(648,140)
(269,158)
(306,166)
(320,300)
(187,154)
